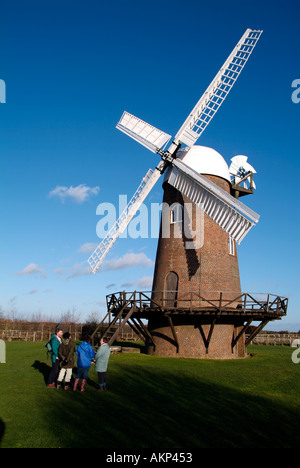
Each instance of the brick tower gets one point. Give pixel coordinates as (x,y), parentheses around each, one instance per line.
(207,267)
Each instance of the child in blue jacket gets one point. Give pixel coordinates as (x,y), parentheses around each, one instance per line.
(85,354)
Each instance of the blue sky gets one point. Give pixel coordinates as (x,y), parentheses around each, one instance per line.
(71,68)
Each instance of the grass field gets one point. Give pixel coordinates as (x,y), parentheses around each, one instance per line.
(154,402)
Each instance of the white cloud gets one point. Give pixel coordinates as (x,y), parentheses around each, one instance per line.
(127,261)
(79,269)
(32,269)
(79,194)
(88,247)
(145,282)
(127,285)
(58,271)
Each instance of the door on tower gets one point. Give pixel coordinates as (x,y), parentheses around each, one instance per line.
(171,289)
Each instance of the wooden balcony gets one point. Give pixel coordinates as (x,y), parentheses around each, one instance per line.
(134,307)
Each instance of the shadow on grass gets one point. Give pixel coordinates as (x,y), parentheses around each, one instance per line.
(152,408)
(2,429)
(43,368)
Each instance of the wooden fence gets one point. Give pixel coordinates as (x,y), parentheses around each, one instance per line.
(283,339)
(24,335)
(41,335)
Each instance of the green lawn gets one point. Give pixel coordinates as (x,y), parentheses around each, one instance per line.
(154,402)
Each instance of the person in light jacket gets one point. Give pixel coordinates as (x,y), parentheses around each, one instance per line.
(85,354)
(101,358)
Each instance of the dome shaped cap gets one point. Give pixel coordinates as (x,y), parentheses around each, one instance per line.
(204,160)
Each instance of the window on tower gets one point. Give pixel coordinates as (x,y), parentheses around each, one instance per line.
(231,245)
(176,213)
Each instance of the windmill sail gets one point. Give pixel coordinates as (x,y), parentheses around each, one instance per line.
(120,225)
(149,136)
(230,214)
(218,90)
(233,217)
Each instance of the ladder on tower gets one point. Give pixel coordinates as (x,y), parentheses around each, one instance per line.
(113,329)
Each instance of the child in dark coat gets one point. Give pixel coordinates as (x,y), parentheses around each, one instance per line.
(66,355)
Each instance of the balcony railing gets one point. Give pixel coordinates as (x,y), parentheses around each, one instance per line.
(221,302)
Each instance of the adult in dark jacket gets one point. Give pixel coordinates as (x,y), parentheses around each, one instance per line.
(55,342)
(85,354)
(66,355)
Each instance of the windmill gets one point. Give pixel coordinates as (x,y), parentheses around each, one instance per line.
(200,176)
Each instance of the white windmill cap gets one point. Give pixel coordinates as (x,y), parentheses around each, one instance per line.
(204,160)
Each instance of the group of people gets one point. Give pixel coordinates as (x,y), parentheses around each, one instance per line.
(62,350)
